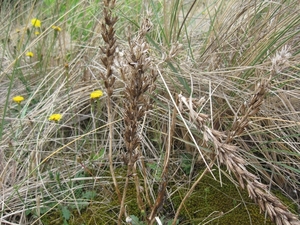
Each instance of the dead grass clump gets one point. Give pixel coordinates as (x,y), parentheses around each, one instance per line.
(225,152)
(139,87)
(127,154)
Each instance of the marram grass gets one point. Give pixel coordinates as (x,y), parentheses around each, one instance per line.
(179,112)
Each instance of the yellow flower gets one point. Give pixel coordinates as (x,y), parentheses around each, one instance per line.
(56,28)
(96,94)
(37,33)
(55,117)
(29,54)
(35,22)
(18,99)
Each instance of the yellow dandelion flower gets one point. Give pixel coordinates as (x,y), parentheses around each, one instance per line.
(18,99)
(55,117)
(35,22)
(29,54)
(96,94)
(37,33)
(56,28)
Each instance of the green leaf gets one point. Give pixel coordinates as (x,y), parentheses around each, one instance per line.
(65,213)
(89,195)
(98,155)
(135,220)
(44,209)
(82,205)
(156,169)
(51,175)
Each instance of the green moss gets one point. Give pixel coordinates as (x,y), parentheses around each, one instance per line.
(100,212)
(219,205)
(209,203)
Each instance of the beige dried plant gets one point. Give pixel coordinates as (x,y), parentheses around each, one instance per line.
(228,154)
(109,52)
(139,86)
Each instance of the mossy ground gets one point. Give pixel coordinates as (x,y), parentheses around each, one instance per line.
(103,208)
(210,203)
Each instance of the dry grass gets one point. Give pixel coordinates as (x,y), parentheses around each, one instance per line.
(224,88)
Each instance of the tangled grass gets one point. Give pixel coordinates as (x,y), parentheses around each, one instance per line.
(218,81)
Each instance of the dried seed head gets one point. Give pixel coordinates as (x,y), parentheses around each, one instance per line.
(281,58)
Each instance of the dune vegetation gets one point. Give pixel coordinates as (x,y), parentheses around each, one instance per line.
(149,112)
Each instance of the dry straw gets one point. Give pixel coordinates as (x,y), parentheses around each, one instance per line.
(228,154)
(139,86)
(109,51)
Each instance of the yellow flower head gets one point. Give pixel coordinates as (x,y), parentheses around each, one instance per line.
(35,22)
(56,28)
(29,54)
(96,94)
(18,99)
(37,33)
(55,117)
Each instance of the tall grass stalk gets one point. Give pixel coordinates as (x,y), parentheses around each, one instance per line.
(108,35)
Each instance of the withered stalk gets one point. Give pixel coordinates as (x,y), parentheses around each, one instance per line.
(139,85)
(109,50)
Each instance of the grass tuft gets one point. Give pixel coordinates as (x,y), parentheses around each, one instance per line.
(143,112)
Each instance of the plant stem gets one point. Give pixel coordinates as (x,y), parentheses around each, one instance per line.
(190,191)
(110,157)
